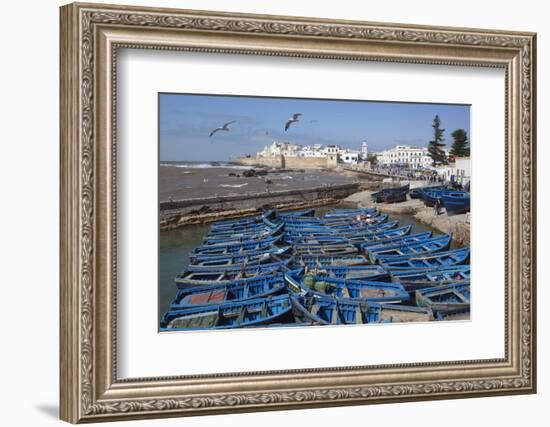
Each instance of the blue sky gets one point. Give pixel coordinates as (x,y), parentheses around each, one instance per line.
(186,121)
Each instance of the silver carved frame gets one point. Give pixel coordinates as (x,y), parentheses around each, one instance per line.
(90,37)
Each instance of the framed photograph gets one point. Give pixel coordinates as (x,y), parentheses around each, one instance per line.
(267,212)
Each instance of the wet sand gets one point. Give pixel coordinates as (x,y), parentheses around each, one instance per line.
(181,183)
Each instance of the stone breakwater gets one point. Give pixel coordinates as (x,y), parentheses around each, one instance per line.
(458,225)
(178,213)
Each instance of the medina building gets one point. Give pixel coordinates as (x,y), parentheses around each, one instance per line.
(413,157)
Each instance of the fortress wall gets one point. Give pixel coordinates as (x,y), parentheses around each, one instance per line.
(289,162)
(270,162)
(305,162)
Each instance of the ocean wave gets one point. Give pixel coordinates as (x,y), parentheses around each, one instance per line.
(205,166)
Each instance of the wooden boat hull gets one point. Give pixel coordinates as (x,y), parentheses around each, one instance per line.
(346,213)
(230,263)
(209,277)
(298,214)
(354,272)
(328,311)
(439,259)
(236,237)
(391,241)
(403,251)
(325,250)
(394,197)
(237,256)
(347,289)
(456,202)
(238,290)
(223,249)
(397,313)
(314,261)
(439,274)
(450,298)
(379,196)
(232,315)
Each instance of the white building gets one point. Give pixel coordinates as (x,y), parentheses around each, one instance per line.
(405,155)
(280,148)
(459,171)
(350,156)
(341,155)
(332,149)
(364,150)
(312,151)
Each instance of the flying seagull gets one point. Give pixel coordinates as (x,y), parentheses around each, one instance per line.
(224,127)
(294,118)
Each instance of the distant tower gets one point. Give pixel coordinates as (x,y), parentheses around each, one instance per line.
(364,149)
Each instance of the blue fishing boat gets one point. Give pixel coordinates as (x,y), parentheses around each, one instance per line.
(439,259)
(431,196)
(427,278)
(417,192)
(264,264)
(301,221)
(230,315)
(369,229)
(330,311)
(354,212)
(222,248)
(298,214)
(236,237)
(397,197)
(308,229)
(241,221)
(361,217)
(378,236)
(315,261)
(455,202)
(353,272)
(394,313)
(238,290)
(347,289)
(390,241)
(354,236)
(232,261)
(192,278)
(237,229)
(237,257)
(402,251)
(379,196)
(271,249)
(319,240)
(445,299)
(363,224)
(315,310)
(324,250)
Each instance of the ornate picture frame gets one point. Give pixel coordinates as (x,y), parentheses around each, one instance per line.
(90,37)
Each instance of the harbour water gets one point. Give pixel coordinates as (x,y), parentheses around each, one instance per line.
(175,246)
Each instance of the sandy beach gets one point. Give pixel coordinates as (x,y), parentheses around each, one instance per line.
(178,182)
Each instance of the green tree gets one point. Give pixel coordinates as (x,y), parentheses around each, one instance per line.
(435,150)
(461,144)
(373,159)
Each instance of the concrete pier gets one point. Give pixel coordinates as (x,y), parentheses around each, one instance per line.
(178,213)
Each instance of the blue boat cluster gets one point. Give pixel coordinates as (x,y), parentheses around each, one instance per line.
(350,266)
(454,201)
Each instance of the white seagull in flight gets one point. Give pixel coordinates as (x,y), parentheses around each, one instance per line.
(294,118)
(224,127)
